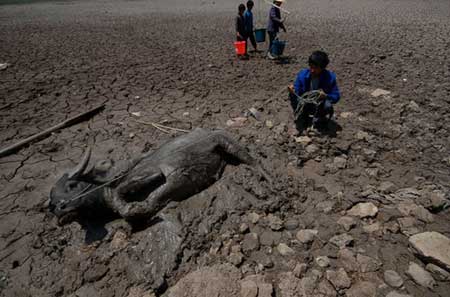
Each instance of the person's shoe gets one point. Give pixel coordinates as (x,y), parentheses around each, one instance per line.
(269,55)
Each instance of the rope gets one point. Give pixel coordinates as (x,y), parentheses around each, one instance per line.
(310,98)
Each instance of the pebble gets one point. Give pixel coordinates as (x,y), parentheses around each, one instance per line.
(347,223)
(236,258)
(269,124)
(243,228)
(342,240)
(363,210)
(372,228)
(285,250)
(379,92)
(393,279)
(433,246)
(300,269)
(348,260)
(250,242)
(304,140)
(291,224)
(306,235)
(253,217)
(275,223)
(361,135)
(323,261)
(339,279)
(312,148)
(386,187)
(362,289)
(420,275)
(119,240)
(269,238)
(367,264)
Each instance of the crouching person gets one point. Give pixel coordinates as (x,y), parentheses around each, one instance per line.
(317,77)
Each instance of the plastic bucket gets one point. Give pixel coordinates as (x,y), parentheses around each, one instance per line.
(240,47)
(278,47)
(260,35)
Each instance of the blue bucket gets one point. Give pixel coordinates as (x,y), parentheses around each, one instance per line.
(260,35)
(278,47)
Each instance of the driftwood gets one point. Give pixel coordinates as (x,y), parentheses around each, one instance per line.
(69,122)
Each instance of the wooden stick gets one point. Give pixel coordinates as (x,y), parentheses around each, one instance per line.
(162,127)
(69,122)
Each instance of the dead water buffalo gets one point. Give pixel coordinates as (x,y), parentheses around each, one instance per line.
(177,170)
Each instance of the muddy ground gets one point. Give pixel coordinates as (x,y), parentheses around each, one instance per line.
(172,62)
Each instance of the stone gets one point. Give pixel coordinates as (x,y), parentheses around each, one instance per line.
(253,217)
(372,228)
(236,122)
(438,273)
(367,264)
(243,228)
(289,285)
(291,224)
(339,279)
(275,223)
(306,235)
(218,280)
(236,258)
(362,289)
(348,260)
(408,226)
(386,187)
(250,242)
(397,294)
(269,124)
(340,162)
(420,276)
(300,270)
(261,258)
(362,135)
(285,250)
(119,240)
(311,149)
(393,279)
(139,292)
(347,222)
(363,210)
(342,240)
(417,211)
(270,238)
(325,289)
(304,140)
(249,288)
(323,261)
(346,114)
(380,92)
(413,106)
(433,247)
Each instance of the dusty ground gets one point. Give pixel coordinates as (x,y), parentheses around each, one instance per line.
(173,61)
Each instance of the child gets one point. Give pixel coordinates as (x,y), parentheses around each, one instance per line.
(275,23)
(248,21)
(240,25)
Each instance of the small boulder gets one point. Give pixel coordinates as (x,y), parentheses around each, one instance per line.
(306,235)
(363,210)
(323,261)
(285,250)
(347,223)
(438,273)
(342,240)
(420,276)
(250,242)
(339,279)
(249,288)
(393,279)
(432,246)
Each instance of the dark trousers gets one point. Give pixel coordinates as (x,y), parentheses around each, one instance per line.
(272,36)
(251,36)
(324,109)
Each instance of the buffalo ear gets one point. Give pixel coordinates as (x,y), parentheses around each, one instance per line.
(81,167)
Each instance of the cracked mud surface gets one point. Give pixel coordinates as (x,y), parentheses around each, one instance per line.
(173,62)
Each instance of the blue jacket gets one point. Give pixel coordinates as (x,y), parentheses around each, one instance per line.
(275,22)
(327,82)
(248,21)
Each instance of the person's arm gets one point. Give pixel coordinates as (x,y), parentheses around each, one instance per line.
(274,17)
(334,95)
(238,27)
(299,88)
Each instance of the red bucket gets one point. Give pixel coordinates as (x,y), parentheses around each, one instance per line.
(240,47)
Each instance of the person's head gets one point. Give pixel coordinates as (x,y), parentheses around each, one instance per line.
(278,2)
(318,61)
(250,5)
(241,8)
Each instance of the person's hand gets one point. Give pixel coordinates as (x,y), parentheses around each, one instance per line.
(291,89)
(238,35)
(322,95)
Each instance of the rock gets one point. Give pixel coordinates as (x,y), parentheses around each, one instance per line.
(363,210)
(339,279)
(265,290)
(362,289)
(348,260)
(413,106)
(243,228)
(417,211)
(3,66)
(361,135)
(396,294)
(311,149)
(386,187)
(139,292)
(346,114)
(367,264)
(236,258)
(342,240)
(372,228)
(248,288)
(347,223)
(300,270)
(270,238)
(269,124)
(285,250)
(323,261)
(408,226)
(304,140)
(420,276)
(250,242)
(340,162)
(393,279)
(306,235)
(325,289)
(380,92)
(253,217)
(275,223)
(219,280)
(291,224)
(261,258)
(438,273)
(119,240)
(433,247)
(236,122)
(289,285)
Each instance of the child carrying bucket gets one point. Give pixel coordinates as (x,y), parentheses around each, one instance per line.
(274,24)
(248,22)
(240,44)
